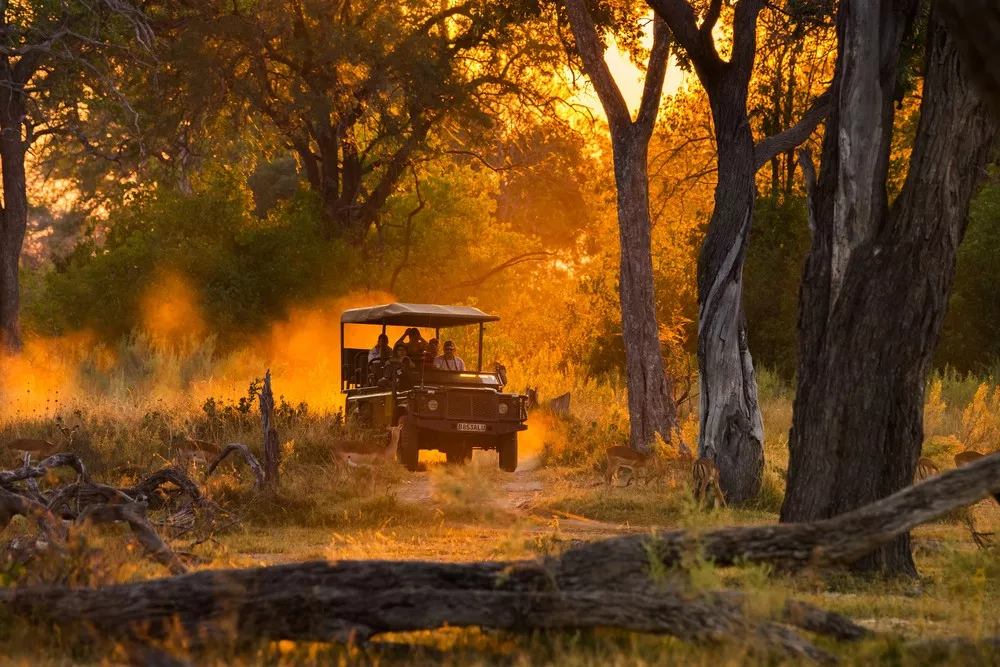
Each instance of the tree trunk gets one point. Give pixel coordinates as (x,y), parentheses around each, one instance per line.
(876,283)
(651,405)
(731,428)
(14,219)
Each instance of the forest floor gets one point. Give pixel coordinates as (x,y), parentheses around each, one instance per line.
(476,512)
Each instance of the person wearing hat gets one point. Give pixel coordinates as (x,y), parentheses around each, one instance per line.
(448,361)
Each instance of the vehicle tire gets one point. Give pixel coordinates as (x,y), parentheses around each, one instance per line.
(409,443)
(507,449)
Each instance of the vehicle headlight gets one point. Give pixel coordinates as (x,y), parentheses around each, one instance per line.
(432,405)
(503,408)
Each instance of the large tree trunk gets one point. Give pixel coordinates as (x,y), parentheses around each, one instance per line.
(731,429)
(651,406)
(14,219)
(876,282)
(650,402)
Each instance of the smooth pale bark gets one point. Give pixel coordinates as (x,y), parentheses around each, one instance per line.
(732,430)
(876,283)
(650,402)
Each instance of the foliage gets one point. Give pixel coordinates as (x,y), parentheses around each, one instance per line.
(779,243)
(239,271)
(971,337)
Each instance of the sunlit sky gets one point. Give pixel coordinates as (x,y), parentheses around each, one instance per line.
(630,78)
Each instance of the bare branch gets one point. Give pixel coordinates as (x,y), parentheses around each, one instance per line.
(512,262)
(248,456)
(656,69)
(135,515)
(785,141)
(591,51)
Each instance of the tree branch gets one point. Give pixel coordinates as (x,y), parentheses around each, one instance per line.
(745,37)
(679,15)
(512,262)
(407,232)
(656,69)
(785,141)
(592,53)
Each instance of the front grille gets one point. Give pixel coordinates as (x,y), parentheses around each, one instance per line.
(474,405)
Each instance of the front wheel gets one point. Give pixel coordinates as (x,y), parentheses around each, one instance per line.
(507,449)
(409,443)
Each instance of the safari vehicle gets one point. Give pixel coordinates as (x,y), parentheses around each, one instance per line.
(451,411)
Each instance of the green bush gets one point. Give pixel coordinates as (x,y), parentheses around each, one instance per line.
(243,270)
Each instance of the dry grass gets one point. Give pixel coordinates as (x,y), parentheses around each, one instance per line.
(476,512)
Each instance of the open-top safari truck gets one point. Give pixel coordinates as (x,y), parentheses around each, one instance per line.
(450,411)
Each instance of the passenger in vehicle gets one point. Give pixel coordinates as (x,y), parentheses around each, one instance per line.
(381,350)
(431,353)
(415,343)
(399,356)
(448,361)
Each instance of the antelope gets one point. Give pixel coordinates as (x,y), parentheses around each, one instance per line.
(68,433)
(705,474)
(28,446)
(626,457)
(367,454)
(197,450)
(925,469)
(966,457)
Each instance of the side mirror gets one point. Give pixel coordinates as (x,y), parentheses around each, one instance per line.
(501,372)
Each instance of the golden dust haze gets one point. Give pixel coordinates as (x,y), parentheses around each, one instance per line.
(302,351)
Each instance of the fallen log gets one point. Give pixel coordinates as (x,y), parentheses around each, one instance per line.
(274,607)
(604,583)
(837,541)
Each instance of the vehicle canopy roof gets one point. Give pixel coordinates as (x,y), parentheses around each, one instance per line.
(417,315)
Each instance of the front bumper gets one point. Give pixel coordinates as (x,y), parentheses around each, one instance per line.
(452,426)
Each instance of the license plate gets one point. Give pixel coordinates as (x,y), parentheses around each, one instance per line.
(470,427)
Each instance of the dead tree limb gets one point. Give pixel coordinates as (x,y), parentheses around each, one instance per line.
(248,456)
(62,459)
(14,504)
(169,475)
(134,514)
(87,493)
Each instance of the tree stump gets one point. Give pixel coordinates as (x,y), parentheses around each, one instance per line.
(272,450)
